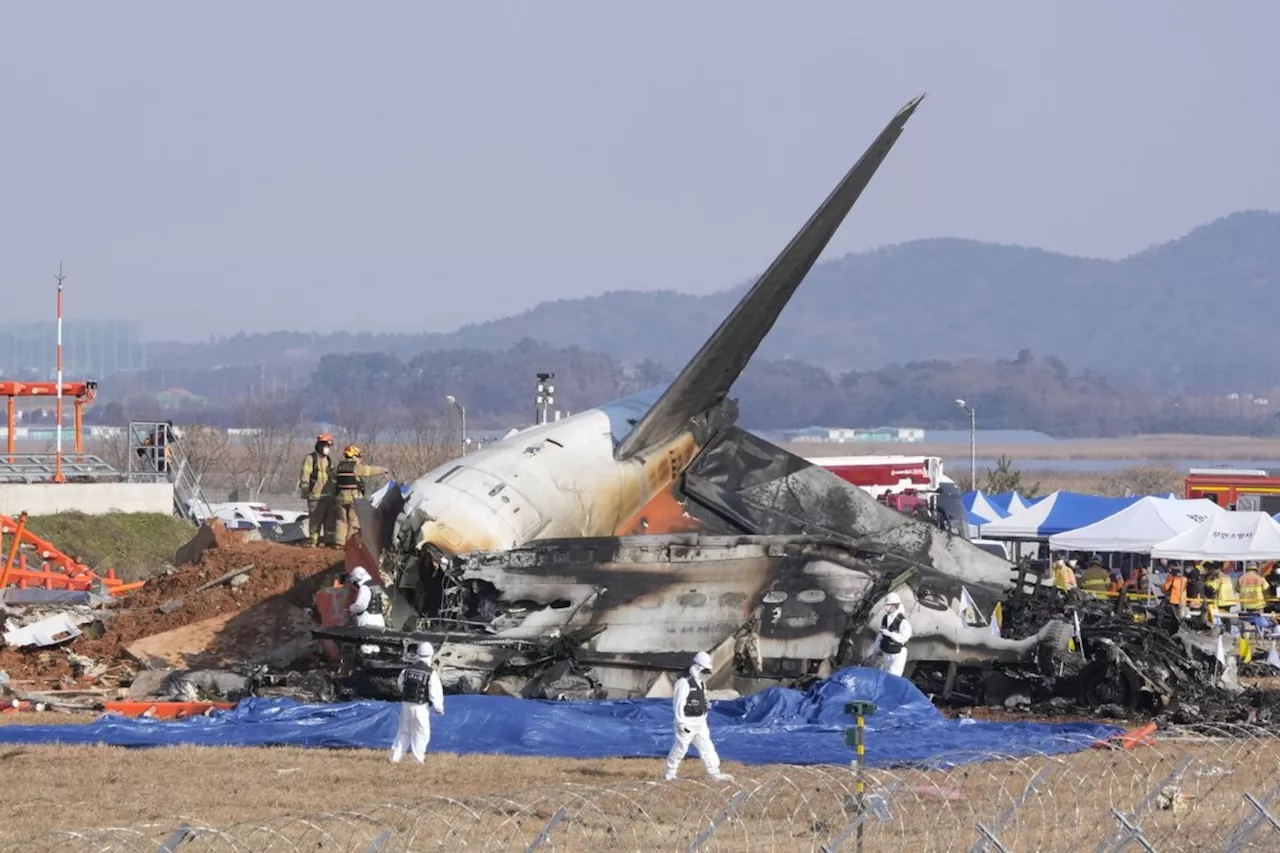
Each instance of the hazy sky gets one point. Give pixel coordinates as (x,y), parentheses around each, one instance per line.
(413,166)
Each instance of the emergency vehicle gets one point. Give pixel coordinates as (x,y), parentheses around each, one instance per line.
(886,475)
(913,485)
(1245,489)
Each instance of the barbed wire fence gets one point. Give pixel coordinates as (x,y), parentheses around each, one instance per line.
(1197,788)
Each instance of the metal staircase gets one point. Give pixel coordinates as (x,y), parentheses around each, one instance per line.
(154,456)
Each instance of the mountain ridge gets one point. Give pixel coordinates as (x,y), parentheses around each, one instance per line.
(1185,311)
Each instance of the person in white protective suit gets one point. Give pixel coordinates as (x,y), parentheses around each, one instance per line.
(689,701)
(367,608)
(891,640)
(422,693)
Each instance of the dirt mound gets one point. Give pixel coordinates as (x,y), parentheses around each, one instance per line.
(271,607)
(282,572)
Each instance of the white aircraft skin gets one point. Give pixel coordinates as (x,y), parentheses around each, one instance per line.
(555,480)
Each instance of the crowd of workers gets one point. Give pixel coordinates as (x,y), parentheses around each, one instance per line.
(331,491)
(1206,588)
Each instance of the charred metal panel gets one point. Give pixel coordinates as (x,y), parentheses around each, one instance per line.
(683,593)
(764,489)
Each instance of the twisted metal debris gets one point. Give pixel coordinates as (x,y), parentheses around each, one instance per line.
(1197,788)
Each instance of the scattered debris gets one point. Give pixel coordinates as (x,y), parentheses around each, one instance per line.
(231,575)
(212,534)
(239,602)
(166,710)
(1159,669)
(49,631)
(236,577)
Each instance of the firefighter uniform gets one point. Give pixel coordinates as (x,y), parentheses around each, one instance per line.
(1253,590)
(312,483)
(1223,591)
(1096,579)
(348,486)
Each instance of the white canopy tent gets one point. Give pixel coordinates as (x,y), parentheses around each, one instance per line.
(1138,527)
(1225,536)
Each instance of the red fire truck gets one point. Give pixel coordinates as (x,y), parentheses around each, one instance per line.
(909,484)
(1235,488)
(914,485)
(884,475)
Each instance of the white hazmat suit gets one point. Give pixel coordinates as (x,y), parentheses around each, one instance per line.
(690,706)
(891,640)
(420,686)
(367,612)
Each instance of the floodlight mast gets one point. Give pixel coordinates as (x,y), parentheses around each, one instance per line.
(973,443)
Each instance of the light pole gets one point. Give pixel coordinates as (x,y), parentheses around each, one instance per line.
(463,413)
(545,397)
(973,443)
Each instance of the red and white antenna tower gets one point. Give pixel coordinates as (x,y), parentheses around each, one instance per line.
(57,465)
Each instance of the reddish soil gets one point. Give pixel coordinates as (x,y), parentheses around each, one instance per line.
(278,570)
(47,665)
(283,577)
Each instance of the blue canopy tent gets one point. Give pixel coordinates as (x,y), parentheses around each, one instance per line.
(1057,513)
(1012,502)
(980,509)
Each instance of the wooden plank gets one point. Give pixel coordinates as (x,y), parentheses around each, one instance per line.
(226,577)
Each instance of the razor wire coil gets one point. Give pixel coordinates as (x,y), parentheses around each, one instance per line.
(1208,787)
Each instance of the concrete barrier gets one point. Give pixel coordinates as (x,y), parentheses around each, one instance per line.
(89,498)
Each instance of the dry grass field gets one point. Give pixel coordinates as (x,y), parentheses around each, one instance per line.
(500,803)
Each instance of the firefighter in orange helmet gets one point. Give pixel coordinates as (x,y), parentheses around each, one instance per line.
(348,486)
(312,483)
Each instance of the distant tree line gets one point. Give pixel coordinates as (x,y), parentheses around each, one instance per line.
(369,393)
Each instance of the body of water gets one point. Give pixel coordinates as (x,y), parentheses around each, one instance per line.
(953,464)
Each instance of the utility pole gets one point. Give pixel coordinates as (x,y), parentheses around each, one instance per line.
(973,443)
(57,464)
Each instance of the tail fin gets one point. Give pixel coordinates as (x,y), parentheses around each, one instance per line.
(706,379)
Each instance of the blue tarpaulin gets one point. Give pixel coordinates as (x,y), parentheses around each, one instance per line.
(778,725)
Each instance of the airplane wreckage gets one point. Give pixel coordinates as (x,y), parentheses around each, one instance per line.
(593,556)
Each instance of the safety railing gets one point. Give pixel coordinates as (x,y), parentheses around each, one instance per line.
(1201,788)
(41,467)
(154,454)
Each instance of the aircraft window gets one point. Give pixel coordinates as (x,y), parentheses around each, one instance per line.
(561,604)
(732,599)
(932,600)
(776,596)
(692,599)
(811,596)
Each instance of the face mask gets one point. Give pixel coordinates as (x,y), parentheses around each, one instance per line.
(325,450)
